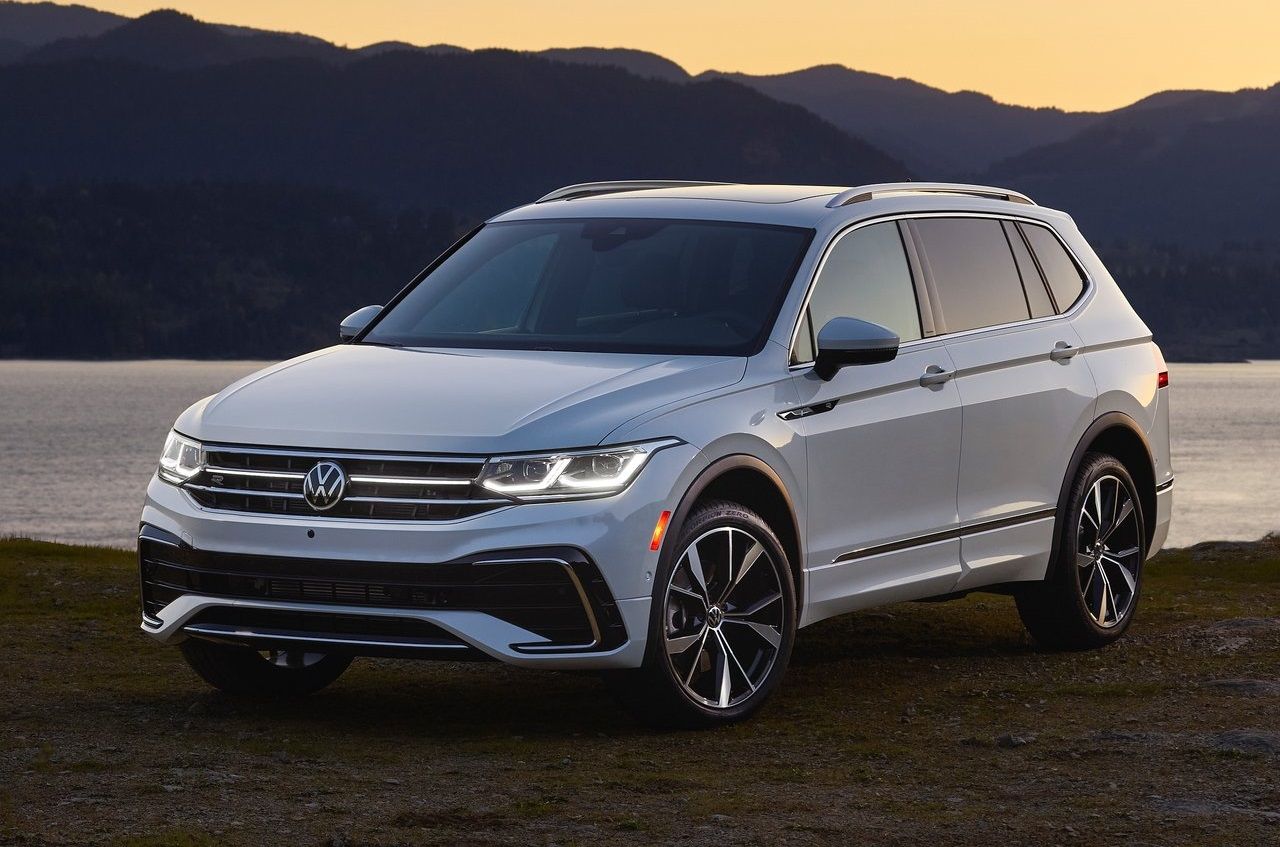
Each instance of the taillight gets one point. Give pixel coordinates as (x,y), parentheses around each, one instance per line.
(1162,379)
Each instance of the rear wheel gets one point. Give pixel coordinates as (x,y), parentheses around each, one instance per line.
(723,623)
(270,673)
(1090,598)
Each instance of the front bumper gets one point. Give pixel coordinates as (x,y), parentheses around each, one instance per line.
(417,588)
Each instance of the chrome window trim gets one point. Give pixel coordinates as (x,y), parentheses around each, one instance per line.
(1090,286)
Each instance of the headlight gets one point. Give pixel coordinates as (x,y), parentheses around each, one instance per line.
(182,459)
(563,476)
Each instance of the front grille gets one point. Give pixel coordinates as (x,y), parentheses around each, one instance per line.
(557,593)
(380,487)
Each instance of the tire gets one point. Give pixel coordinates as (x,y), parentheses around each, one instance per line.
(1091,594)
(720,634)
(247,673)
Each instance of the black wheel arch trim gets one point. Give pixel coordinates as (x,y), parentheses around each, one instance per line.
(1101,424)
(703,481)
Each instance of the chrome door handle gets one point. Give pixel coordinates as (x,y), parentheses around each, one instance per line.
(934,375)
(1062,351)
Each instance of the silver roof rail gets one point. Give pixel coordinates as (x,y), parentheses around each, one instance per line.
(590,189)
(892,189)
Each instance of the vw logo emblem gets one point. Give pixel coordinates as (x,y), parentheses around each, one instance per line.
(324,485)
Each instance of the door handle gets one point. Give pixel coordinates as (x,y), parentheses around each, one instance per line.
(935,375)
(1062,351)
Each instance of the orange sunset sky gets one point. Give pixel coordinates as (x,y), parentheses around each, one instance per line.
(1084,54)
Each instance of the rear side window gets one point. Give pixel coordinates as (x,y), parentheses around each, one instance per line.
(974,271)
(1032,282)
(1064,276)
(865,276)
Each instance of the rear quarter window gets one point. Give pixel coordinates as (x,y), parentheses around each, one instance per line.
(1065,279)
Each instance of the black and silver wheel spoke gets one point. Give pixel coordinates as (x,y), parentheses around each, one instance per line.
(1108,551)
(724,617)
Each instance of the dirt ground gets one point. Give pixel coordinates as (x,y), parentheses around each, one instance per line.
(914,724)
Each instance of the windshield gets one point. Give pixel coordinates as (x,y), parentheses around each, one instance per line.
(604,285)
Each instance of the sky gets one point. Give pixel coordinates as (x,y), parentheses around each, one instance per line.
(1076,54)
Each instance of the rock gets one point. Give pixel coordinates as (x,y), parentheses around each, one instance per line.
(1008,741)
(1247,686)
(1248,741)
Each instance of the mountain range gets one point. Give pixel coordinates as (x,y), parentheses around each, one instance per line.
(164,100)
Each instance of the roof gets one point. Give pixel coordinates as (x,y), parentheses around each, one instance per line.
(787,205)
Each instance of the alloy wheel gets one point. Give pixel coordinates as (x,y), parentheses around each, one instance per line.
(724,617)
(1109,551)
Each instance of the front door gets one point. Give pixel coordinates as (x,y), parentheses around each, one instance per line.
(883,440)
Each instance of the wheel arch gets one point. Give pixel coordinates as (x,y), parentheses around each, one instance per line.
(752,483)
(1118,435)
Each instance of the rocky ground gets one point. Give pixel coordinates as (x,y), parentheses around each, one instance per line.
(908,725)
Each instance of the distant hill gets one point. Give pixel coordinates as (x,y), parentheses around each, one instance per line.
(474,132)
(44,32)
(937,133)
(33,24)
(639,62)
(170,39)
(1195,167)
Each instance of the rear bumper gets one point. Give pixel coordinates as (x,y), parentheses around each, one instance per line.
(540,607)
(1164,515)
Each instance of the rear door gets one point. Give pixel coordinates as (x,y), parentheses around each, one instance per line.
(1026,395)
(883,449)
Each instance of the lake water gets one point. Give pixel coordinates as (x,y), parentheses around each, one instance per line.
(78,441)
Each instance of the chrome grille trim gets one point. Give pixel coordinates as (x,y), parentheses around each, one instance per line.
(211,447)
(441,500)
(396,487)
(405,480)
(243,492)
(260,474)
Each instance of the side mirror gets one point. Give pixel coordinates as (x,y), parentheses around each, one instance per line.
(353,323)
(849,341)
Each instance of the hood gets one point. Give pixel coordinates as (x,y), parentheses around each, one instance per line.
(364,397)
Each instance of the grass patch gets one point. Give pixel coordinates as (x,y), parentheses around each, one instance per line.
(885,728)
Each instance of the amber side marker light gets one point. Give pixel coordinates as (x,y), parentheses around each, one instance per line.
(1162,379)
(659,530)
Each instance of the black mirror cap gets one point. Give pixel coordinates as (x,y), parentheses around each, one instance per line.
(354,323)
(851,341)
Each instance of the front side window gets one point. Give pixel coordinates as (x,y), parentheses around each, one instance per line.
(603,285)
(865,275)
(974,272)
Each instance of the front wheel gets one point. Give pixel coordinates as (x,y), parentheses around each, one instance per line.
(723,623)
(269,674)
(1090,598)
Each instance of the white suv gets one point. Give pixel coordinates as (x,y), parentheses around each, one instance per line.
(653,428)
